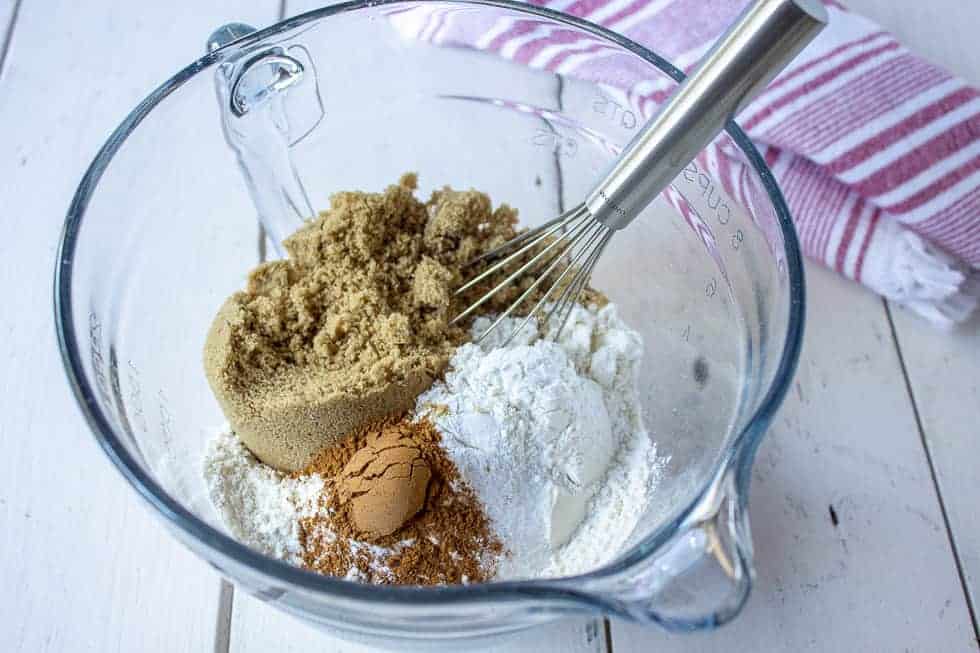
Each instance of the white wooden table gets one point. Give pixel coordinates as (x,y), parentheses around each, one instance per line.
(864,505)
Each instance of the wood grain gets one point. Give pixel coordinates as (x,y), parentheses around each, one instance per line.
(943,368)
(844,441)
(86,568)
(943,371)
(944,377)
(257,628)
(84,565)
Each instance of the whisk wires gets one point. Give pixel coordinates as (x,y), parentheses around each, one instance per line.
(563,250)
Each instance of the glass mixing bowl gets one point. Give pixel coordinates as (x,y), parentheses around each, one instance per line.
(163,228)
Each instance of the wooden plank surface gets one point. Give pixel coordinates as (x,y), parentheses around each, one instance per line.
(944,375)
(258,628)
(84,565)
(882,578)
(943,369)
(86,568)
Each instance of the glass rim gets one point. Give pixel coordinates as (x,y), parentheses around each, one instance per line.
(738,455)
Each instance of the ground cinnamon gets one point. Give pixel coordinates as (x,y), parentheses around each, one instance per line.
(450,540)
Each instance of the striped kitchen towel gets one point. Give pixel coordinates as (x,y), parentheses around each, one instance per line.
(876,150)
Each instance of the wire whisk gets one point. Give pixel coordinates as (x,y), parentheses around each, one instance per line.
(759,44)
(574,241)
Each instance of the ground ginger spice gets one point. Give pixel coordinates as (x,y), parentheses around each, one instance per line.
(449,540)
(355,323)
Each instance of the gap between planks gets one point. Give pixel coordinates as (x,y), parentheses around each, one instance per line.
(8,35)
(50,602)
(222,631)
(964,583)
(845,438)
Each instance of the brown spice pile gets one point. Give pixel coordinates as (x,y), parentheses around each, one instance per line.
(355,324)
(449,541)
(385,483)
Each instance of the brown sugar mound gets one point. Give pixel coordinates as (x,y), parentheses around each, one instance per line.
(448,541)
(355,323)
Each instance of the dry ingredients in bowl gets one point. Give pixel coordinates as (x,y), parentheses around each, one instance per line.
(372,441)
(550,436)
(355,324)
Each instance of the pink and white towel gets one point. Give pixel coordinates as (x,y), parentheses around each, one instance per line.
(876,151)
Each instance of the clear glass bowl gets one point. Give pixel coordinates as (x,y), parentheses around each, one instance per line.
(163,228)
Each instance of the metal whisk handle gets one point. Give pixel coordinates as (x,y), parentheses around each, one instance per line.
(761,42)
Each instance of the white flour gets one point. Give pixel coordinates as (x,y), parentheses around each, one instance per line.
(551,438)
(260,506)
(548,434)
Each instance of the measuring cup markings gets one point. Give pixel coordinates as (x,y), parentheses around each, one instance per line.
(605,106)
(558,144)
(592,631)
(166,417)
(737,239)
(136,395)
(117,392)
(721,208)
(97,357)
(718,203)
(711,289)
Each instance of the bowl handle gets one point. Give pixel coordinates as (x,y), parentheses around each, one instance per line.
(269,100)
(700,577)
